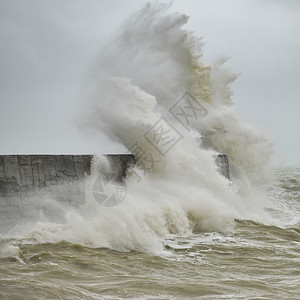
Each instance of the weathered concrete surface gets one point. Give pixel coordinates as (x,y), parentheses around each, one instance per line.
(25,173)
(21,173)
(29,183)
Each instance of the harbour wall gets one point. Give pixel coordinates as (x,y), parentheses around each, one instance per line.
(30,183)
(26,173)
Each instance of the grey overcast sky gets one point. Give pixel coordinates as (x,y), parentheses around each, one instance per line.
(47,47)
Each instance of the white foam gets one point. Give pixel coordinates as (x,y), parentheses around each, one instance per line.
(150,63)
(9,250)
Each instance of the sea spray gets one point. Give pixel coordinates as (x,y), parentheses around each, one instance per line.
(145,70)
(183,231)
(149,66)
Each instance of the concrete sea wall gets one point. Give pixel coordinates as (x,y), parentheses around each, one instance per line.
(25,173)
(30,184)
(28,173)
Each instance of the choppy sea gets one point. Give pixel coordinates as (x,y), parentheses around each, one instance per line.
(253,261)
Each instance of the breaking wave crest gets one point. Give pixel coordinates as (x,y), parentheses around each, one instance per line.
(151,92)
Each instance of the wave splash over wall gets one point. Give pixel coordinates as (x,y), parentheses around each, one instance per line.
(151,92)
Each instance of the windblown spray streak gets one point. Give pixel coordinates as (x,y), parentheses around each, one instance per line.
(175,232)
